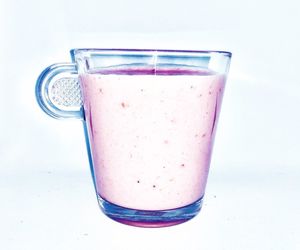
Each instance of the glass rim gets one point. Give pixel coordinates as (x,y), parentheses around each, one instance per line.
(169,51)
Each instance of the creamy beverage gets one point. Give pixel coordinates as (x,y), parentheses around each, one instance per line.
(151,135)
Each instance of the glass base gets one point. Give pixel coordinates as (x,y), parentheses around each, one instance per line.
(150,218)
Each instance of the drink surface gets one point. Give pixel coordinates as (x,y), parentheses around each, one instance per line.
(151,134)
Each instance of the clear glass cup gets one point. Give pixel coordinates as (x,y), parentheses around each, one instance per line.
(149,118)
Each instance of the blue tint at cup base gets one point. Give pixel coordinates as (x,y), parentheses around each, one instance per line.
(150,218)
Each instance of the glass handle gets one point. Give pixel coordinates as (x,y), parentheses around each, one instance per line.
(58,92)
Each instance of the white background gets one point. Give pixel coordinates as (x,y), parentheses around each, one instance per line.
(252,198)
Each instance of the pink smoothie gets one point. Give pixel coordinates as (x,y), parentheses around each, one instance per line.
(151,135)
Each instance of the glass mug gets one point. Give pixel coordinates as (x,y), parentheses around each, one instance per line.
(149,118)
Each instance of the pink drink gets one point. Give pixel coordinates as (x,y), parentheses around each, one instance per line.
(151,135)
